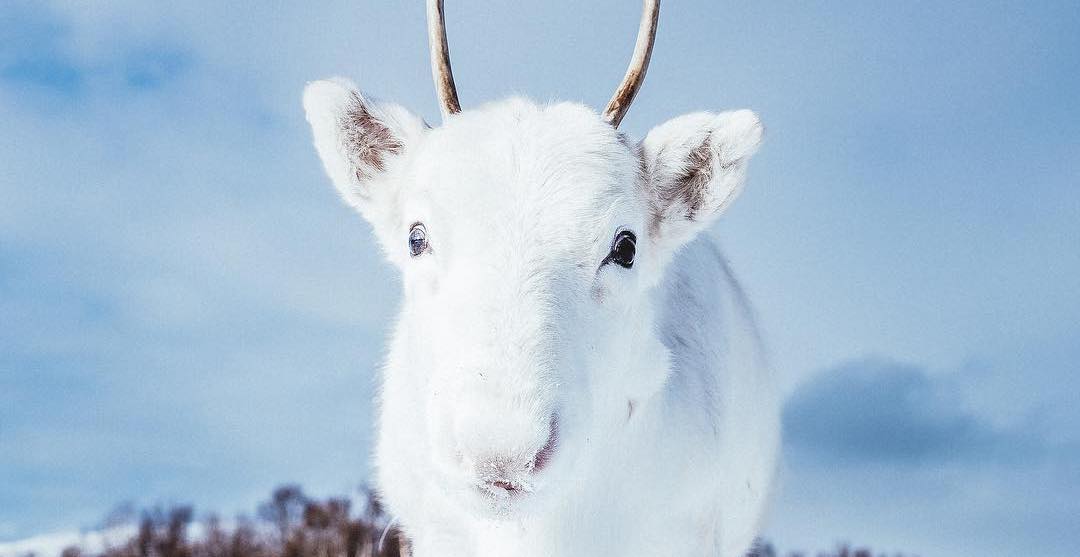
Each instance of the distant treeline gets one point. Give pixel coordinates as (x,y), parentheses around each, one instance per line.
(291,524)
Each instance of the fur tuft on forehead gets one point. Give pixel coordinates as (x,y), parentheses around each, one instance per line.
(563,153)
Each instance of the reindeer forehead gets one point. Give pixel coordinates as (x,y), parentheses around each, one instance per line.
(543,166)
(548,166)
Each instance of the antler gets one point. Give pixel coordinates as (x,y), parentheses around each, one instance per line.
(639,63)
(616,107)
(440,59)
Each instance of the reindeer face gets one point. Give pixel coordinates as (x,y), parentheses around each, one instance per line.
(516,237)
(530,239)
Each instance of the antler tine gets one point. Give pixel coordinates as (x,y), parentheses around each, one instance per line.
(639,63)
(440,59)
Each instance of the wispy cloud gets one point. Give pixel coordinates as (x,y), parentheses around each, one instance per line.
(38,52)
(32,49)
(152,66)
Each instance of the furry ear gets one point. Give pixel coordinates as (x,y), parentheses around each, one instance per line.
(696,166)
(361,143)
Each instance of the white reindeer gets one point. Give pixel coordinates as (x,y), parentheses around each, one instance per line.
(574,369)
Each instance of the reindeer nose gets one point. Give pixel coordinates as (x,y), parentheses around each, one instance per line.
(502,474)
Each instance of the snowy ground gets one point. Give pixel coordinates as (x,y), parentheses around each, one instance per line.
(50,545)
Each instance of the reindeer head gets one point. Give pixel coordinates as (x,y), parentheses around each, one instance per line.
(531,240)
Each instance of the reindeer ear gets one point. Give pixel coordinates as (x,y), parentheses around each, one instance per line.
(360,142)
(696,166)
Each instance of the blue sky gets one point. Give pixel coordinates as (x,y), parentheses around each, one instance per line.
(187,313)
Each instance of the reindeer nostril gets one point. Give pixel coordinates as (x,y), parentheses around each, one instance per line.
(503,484)
(508,473)
(545,453)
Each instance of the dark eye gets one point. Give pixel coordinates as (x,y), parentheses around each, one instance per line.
(622,249)
(417,239)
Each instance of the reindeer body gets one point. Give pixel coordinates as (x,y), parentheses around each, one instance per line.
(686,473)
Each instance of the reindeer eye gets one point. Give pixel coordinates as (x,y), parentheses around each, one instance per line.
(417,239)
(622,249)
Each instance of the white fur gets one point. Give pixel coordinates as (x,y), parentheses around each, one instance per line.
(667,426)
